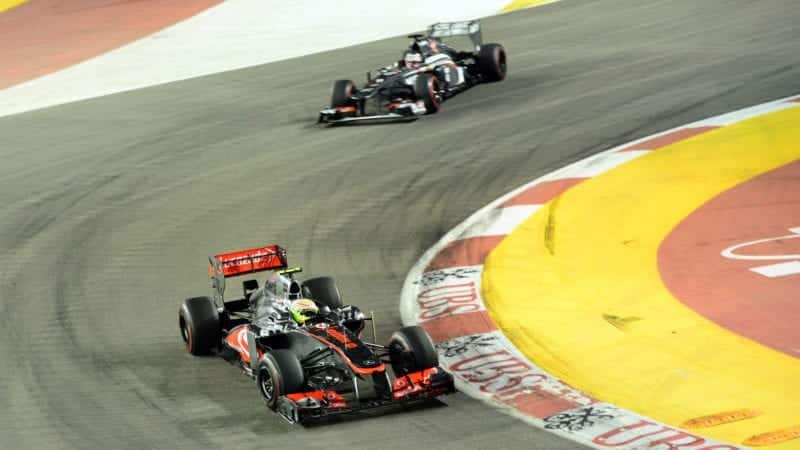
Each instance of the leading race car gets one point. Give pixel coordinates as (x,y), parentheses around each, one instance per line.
(302,346)
(429,73)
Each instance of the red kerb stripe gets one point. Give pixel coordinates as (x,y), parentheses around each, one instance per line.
(540,403)
(466,252)
(542,192)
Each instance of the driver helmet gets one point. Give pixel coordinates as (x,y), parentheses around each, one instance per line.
(412,59)
(303,310)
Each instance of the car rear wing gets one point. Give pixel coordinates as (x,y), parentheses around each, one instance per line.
(243,262)
(471,28)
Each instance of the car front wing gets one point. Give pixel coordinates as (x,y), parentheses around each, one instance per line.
(416,386)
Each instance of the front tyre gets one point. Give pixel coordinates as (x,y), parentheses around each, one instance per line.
(427,88)
(412,350)
(279,373)
(491,62)
(199,324)
(343,90)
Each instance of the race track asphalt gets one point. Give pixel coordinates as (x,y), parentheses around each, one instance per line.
(109,208)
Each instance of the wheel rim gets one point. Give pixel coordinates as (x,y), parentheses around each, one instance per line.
(184,331)
(266,385)
(433,88)
(502,62)
(404,359)
(186,334)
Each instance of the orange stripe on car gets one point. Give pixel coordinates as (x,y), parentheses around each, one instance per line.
(356,369)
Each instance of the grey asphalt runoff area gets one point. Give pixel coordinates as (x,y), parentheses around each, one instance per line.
(109,208)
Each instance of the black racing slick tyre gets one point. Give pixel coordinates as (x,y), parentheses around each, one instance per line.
(342,91)
(491,61)
(199,324)
(323,290)
(279,373)
(412,350)
(427,88)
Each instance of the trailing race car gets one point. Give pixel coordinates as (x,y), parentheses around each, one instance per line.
(429,73)
(303,347)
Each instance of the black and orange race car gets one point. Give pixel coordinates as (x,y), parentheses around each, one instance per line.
(309,363)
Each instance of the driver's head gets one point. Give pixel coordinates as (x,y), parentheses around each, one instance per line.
(433,45)
(303,310)
(412,59)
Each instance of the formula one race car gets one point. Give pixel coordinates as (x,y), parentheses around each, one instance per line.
(301,346)
(429,73)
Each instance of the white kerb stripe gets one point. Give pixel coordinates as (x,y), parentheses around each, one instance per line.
(501,221)
(596,165)
(743,114)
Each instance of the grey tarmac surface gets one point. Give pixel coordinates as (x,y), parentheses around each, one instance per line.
(109,208)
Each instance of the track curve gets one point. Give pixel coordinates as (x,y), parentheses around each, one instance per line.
(109,207)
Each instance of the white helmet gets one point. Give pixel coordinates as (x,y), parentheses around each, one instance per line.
(412,59)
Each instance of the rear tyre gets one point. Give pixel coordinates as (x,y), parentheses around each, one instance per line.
(279,373)
(342,91)
(412,350)
(491,61)
(427,88)
(199,324)
(323,290)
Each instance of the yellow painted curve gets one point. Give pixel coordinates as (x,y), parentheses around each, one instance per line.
(8,4)
(521,4)
(577,289)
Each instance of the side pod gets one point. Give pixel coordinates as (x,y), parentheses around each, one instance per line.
(253,350)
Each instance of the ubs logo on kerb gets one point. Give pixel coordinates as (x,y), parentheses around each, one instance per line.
(790,266)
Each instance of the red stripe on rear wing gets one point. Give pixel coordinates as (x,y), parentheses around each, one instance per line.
(249,261)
